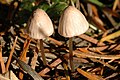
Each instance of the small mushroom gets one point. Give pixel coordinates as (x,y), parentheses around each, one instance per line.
(72,23)
(40,26)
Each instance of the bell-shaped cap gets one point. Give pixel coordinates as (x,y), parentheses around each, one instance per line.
(39,25)
(72,23)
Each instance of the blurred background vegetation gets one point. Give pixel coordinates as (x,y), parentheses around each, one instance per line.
(102,15)
(16,12)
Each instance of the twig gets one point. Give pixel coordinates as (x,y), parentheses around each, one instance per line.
(110,18)
(66,71)
(52,65)
(116,2)
(89,75)
(90,39)
(106,64)
(1,61)
(93,55)
(11,53)
(23,54)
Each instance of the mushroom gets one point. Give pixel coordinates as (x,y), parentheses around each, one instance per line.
(72,23)
(39,27)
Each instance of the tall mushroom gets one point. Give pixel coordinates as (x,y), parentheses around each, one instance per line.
(72,23)
(40,26)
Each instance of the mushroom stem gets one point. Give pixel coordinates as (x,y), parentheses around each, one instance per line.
(42,52)
(71,54)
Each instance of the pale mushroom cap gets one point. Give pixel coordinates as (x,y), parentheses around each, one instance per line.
(39,25)
(72,23)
